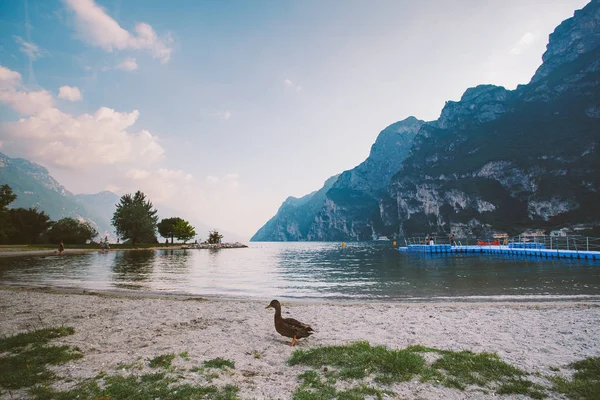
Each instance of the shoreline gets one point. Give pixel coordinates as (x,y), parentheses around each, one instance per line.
(441,301)
(112,329)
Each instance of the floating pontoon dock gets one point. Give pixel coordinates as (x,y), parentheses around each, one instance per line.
(582,249)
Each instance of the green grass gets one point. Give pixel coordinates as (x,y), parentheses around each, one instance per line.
(585,383)
(460,370)
(26,357)
(219,363)
(37,337)
(149,386)
(360,359)
(313,387)
(162,361)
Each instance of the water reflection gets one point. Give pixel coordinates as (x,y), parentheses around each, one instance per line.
(309,270)
(133,266)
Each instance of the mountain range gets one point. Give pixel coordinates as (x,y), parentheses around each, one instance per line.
(497,159)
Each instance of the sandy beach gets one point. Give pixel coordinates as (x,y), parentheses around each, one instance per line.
(112,329)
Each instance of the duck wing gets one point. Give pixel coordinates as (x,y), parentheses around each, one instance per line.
(297,324)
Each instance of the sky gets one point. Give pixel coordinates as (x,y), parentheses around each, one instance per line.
(222,109)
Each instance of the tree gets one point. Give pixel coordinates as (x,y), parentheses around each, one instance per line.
(6,197)
(27,225)
(69,230)
(135,219)
(184,231)
(166,227)
(214,237)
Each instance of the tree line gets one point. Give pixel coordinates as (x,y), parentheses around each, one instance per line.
(135,220)
(31,226)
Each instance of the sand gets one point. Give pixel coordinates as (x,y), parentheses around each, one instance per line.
(112,329)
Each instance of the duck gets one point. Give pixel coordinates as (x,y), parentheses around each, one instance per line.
(289,327)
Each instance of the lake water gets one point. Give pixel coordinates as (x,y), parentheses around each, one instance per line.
(360,271)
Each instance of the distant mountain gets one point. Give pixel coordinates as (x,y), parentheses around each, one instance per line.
(295,217)
(331,212)
(496,159)
(34,187)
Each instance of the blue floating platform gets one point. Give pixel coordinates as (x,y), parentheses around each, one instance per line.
(513,249)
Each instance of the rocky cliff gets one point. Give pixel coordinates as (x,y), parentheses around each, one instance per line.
(346,207)
(496,159)
(510,160)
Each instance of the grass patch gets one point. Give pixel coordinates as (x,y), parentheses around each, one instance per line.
(360,359)
(184,355)
(162,361)
(313,387)
(27,355)
(585,383)
(149,386)
(219,363)
(460,370)
(38,337)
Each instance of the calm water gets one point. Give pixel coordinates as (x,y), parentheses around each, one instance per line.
(373,271)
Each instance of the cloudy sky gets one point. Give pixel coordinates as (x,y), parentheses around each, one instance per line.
(222,109)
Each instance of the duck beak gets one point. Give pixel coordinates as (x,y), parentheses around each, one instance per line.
(269,306)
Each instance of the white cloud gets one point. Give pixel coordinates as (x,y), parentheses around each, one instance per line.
(28,48)
(162,185)
(112,188)
(292,85)
(52,137)
(212,179)
(524,42)
(13,95)
(129,64)
(231,180)
(225,114)
(9,78)
(70,93)
(99,29)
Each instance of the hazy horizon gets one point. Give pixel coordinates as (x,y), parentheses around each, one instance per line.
(221,110)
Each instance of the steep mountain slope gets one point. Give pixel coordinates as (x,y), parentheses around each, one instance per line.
(512,159)
(330,212)
(294,217)
(34,187)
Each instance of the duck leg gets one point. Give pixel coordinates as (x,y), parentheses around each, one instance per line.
(293,341)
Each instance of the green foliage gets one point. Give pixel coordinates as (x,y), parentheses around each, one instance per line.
(214,237)
(585,383)
(219,363)
(27,225)
(162,361)
(184,231)
(71,231)
(25,357)
(148,386)
(166,227)
(6,197)
(135,219)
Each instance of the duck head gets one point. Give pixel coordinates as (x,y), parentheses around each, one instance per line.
(274,304)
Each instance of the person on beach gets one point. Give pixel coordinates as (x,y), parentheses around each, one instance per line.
(61,247)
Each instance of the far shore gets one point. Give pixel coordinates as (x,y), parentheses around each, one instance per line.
(113,331)
(25,250)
